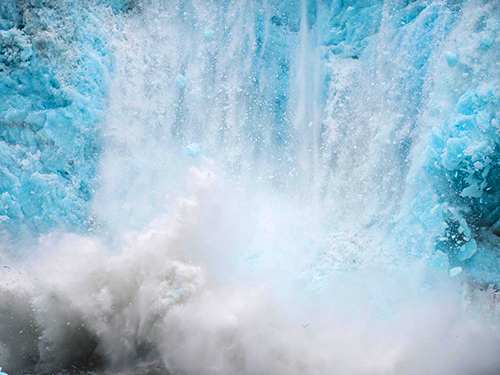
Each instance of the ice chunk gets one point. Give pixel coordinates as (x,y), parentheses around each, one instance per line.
(440,260)
(473,191)
(451,59)
(180,81)
(208,34)
(478,165)
(15,47)
(486,42)
(193,150)
(36,120)
(467,250)
(2,373)
(430,153)
(454,152)
(464,228)
(15,116)
(455,271)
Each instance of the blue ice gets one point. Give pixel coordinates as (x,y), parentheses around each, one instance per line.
(53,108)
(193,150)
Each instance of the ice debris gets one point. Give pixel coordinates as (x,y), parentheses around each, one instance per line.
(451,59)
(180,81)
(15,47)
(455,271)
(193,150)
(486,42)
(440,260)
(208,34)
(467,250)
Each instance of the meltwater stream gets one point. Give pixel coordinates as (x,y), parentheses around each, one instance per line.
(250,186)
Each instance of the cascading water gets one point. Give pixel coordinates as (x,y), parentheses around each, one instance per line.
(250,186)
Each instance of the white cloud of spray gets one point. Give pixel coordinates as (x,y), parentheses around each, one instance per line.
(179,294)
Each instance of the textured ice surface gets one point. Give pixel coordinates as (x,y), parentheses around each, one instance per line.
(55,67)
(455,271)
(453,178)
(180,81)
(432,66)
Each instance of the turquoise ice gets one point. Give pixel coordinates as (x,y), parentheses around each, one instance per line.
(286,92)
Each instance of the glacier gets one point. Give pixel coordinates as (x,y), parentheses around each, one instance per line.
(55,72)
(263,161)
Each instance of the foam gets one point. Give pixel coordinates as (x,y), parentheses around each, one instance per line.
(167,300)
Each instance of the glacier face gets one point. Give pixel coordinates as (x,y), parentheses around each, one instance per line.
(55,68)
(390,105)
(414,83)
(452,192)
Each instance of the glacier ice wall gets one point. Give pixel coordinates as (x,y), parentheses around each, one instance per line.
(389,106)
(453,180)
(384,110)
(55,67)
(423,100)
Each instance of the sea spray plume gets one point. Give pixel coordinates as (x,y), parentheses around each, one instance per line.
(150,306)
(100,308)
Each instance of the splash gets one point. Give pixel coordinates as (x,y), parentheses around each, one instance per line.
(178,291)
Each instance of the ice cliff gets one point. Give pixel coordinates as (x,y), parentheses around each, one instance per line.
(390,105)
(55,67)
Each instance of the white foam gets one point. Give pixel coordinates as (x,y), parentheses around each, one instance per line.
(168,298)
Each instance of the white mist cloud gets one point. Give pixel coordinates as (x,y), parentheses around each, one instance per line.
(167,300)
